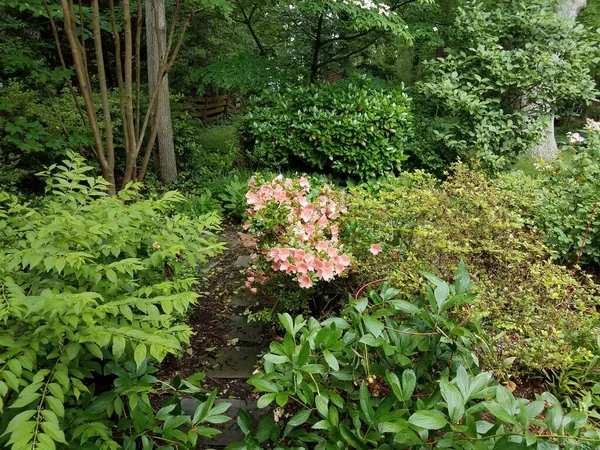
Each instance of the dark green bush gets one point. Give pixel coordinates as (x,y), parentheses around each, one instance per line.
(348,128)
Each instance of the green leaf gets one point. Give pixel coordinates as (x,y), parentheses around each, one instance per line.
(52,430)
(454,400)
(351,438)
(331,360)
(428,419)
(243,421)
(287,322)
(374,326)
(27,395)
(55,405)
(139,355)
(265,400)
(322,404)
(276,359)
(118,346)
(409,383)
(300,418)
(282,398)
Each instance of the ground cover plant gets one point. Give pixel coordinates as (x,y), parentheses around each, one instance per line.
(390,373)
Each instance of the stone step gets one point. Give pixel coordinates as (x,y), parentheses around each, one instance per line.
(233,362)
(244,331)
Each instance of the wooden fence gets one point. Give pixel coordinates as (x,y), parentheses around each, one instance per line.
(209,109)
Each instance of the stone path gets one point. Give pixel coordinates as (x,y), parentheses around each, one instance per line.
(237,361)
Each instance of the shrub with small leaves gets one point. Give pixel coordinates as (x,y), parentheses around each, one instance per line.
(91,295)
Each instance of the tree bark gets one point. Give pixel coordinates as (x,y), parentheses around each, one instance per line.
(547,148)
(156,40)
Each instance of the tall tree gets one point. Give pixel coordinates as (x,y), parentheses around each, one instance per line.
(156,41)
(319,34)
(547,148)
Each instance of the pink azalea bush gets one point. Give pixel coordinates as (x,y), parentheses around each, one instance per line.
(296,226)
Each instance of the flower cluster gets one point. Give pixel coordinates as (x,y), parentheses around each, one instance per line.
(381,8)
(296,230)
(592,125)
(575,138)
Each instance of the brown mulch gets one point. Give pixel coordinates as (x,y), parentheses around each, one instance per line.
(208,320)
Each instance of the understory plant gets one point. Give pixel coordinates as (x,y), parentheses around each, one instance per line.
(295,224)
(509,66)
(396,374)
(346,128)
(568,208)
(93,292)
(538,314)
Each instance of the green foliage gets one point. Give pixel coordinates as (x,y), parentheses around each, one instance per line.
(347,128)
(508,67)
(391,373)
(92,294)
(538,314)
(234,196)
(570,193)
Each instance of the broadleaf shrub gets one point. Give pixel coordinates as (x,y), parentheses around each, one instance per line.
(394,373)
(570,191)
(93,293)
(537,313)
(346,128)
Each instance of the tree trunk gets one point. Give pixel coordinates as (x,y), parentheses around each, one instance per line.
(156,40)
(547,148)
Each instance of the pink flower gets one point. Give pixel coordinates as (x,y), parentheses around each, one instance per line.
(321,245)
(375,249)
(251,198)
(305,282)
(304,182)
(323,221)
(307,213)
(302,267)
(327,271)
(344,260)
(303,202)
(251,182)
(308,258)
(253,290)
(332,252)
(246,226)
(298,255)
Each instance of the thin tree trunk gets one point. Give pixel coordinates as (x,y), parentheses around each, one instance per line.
(547,148)
(314,67)
(83,79)
(156,42)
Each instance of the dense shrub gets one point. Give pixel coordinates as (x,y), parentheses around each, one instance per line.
(391,373)
(536,312)
(571,189)
(347,128)
(509,65)
(93,293)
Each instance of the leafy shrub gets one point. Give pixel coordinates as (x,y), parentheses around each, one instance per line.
(392,373)
(295,224)
(347,128)
(536,312)
(570,192)
(502,74)
(233,196)
(93,293)
(198,205)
